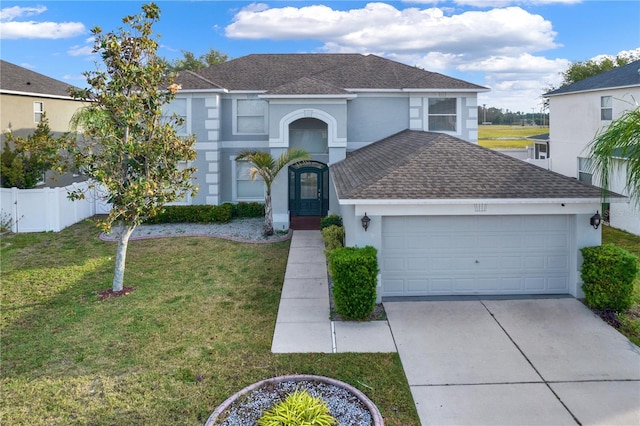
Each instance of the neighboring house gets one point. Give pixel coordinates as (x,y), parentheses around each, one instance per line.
(577,113)
(24,96)
(396,144)
(537,153)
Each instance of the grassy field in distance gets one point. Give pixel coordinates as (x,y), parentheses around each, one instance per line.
(504,136)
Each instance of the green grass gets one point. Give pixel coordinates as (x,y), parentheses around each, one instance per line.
(196,329)
(490,136)
(630,320)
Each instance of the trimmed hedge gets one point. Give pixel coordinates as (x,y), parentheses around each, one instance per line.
(333,237)
(332,219)
(608,272)
(207,213)
(354,271)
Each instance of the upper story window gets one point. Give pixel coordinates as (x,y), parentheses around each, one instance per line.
(38,110)
(177,108)
(585,170)
(606,111)
(250,116)
(443,113)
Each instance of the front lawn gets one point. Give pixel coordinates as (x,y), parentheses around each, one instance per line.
(196,329)
(630,320)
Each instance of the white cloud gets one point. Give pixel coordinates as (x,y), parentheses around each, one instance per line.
(10,13)
(498,47)
(494,3)
(80,51)
(12,29)
(381,27)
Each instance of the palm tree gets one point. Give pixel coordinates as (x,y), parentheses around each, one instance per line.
(621,139)
(264,165)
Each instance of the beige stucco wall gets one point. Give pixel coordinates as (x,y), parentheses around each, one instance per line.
(16,113)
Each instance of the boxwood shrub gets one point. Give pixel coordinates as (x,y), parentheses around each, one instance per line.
(354,272)
(207,213)
(608,272)
(333,237)
(332,219)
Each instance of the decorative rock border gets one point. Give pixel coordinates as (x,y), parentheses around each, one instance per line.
(375,413)
(109,238)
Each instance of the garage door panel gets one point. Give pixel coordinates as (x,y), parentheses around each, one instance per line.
(475,255)
(393,264)
(558,262)
(417,264)
(557,241)
(511,262)
(440,264)
(511,240)
(534,283)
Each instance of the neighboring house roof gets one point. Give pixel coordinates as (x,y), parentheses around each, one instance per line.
(624,76)
(414,165)
(19,80)
(269,72)
(540,138)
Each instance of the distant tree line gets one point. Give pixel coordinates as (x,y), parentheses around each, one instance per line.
(499,116)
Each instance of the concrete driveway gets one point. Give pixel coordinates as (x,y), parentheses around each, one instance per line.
(515,362)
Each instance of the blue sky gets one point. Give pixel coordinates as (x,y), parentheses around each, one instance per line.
(515,47)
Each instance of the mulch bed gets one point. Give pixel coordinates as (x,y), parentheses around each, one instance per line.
(110,294)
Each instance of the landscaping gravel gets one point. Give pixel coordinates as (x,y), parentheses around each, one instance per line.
(247,230)
(343,405)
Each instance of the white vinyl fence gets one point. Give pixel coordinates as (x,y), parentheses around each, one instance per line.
(48,209)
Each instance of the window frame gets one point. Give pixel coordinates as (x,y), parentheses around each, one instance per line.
(234,182)
(264,115)
(585,168)
(37,113)
(606,108)
(185,129)
(456,115)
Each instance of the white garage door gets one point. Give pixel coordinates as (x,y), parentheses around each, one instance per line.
(466,255)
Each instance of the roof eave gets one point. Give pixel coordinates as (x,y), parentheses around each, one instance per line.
(458,201)
(440,90)
(36,95)
(333,96)
(600,89)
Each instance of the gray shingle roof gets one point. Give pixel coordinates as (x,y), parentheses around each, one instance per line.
(624,76)
(414,165)
(19,79)
(345,71)
(307,86)
(194,81)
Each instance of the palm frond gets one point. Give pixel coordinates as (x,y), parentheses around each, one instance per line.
(618,145)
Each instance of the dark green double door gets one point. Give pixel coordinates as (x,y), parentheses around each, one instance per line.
(309,189)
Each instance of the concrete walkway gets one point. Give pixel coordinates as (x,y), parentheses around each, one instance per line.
(303,323)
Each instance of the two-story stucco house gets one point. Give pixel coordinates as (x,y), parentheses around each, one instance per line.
(396,144)
(577,113)
(25,96)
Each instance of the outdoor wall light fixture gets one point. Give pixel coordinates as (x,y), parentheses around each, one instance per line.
(365,221)
(595,220)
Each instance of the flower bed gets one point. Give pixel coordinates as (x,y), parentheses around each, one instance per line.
(347,404)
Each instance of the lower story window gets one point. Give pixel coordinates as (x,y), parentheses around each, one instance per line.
(245,188)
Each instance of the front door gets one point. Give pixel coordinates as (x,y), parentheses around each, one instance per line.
(308,189)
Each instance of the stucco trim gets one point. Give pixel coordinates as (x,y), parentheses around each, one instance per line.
(333,141)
